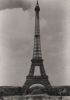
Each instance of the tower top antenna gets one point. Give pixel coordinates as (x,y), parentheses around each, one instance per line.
(37,8)
(37,1)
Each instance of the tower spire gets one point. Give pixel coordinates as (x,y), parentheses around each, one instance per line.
(37,46)
(37,2)
(37,6)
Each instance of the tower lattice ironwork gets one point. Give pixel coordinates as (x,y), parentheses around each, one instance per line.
(37,60)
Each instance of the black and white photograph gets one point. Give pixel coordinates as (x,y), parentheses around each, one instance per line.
(34,49)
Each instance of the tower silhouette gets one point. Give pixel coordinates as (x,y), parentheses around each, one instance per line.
(37,60)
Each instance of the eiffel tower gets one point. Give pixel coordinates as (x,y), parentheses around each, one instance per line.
(37,60)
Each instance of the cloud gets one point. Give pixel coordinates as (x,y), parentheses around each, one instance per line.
(9,4)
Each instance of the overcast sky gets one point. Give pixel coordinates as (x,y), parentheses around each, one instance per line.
(17,34)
